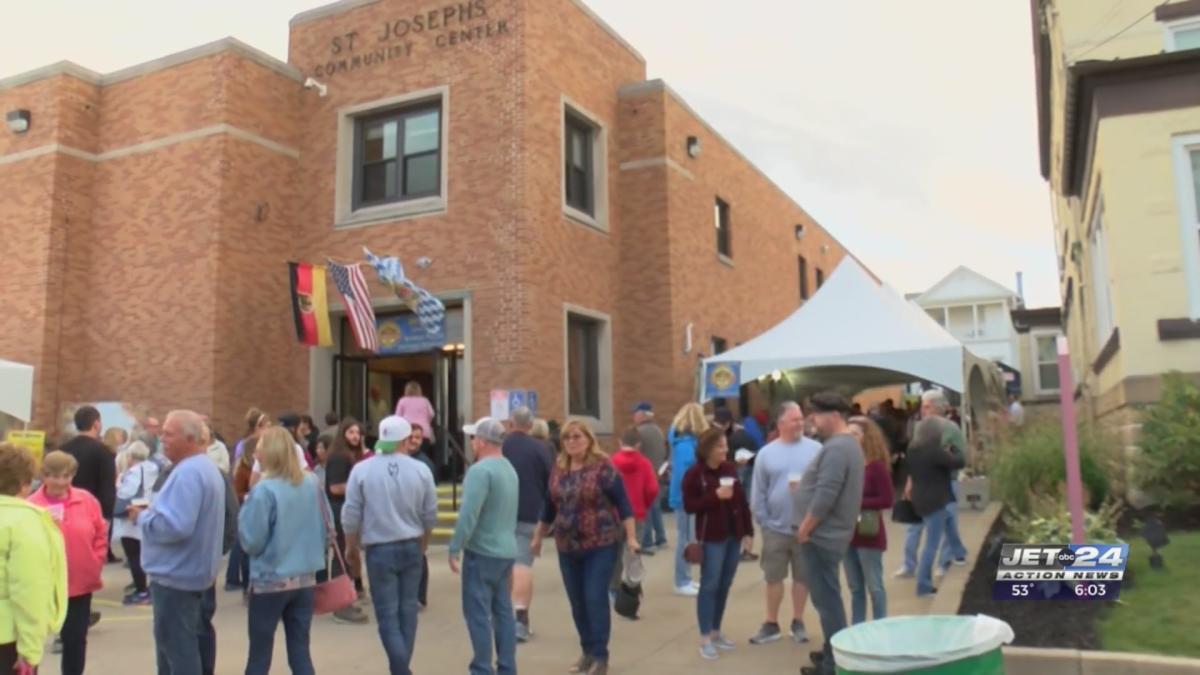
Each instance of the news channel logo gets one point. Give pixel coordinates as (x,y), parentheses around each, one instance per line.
(1061,571)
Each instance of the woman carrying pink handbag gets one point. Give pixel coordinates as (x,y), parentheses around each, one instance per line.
(283,530)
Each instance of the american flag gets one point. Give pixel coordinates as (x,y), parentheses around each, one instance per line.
(357,299)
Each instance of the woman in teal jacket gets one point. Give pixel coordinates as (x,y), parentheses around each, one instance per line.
(689,423)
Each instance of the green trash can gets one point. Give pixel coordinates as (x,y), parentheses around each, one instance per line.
(923,645)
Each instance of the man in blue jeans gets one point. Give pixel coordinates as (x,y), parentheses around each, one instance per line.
(934,404)
(827,506)
(653,444)
(390,509)
(486,531)
(182,533)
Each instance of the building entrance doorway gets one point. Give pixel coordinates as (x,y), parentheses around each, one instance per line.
(367,386)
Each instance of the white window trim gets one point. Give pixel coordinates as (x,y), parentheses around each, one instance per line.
(1189,217)
(1101,276)
(599,221)
(1172,27)
(1037,365)
(344,213)
(604,424)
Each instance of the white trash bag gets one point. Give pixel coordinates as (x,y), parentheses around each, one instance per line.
(905,643)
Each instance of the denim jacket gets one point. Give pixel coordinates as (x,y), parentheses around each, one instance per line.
(282,528)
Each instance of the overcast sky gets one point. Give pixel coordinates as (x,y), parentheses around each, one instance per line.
(906,128)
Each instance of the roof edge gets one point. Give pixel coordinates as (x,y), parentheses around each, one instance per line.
(658,85)
(226,44)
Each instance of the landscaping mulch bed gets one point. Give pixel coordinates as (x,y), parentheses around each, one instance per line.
(1129,526)
(1069,624)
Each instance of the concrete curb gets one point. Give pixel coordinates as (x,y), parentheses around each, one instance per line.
(1035,661)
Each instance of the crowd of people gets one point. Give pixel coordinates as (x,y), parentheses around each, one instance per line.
(311,519)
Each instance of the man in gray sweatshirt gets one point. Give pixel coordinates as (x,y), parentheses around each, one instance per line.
(827,506)
(390,509)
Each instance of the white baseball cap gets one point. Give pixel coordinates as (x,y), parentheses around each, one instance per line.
(393,430)
(486,428)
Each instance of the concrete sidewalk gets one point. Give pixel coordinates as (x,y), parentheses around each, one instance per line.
(663,642)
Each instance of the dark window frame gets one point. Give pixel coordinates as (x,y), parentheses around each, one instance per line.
(590,331)
(820,278)
(400,114)
(575,125)
(723,223)
(802,263)
(719,345)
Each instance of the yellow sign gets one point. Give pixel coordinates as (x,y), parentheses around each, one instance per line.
(34,441)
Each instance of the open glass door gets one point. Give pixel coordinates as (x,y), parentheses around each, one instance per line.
(350,387)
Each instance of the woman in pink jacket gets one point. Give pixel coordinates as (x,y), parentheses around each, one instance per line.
(85,534)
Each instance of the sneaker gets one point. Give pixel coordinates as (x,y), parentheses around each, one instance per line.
(768,633)
(930,594)
(523,632)
(351,615)
(56,648)
(904,573)
(93,619)
(810,670)
(663,546)
(130,588)
(747,556)
(583,665)
(723,643)
(816,657)
(136,599)
(648,551)
(799,636)
(940,572)
(960,561)
(598,668)
(708,651)
(687,591)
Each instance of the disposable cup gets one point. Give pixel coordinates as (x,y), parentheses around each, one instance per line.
(727,481)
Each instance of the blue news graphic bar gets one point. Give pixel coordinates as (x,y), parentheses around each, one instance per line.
(1056,590)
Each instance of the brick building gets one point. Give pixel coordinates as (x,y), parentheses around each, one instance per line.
(582,224)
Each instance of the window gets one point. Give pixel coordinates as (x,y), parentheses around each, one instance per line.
(1101,286)
(938,314)
(1183,35)
(724,238)
(820,278)
(580,173)
(803,264)
(719,345)
(1187,176)
(584,162)
(391,158)
(398,155)
(1046,356)
(583,365)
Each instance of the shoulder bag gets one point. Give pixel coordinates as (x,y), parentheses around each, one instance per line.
(335,593)
(868,524)
(693,553)
(121,505)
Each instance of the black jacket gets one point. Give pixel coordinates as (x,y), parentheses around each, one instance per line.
(97,471)
(930,464)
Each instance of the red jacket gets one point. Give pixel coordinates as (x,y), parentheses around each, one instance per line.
(641,483)
(85,534)
(715,516)
(877,496)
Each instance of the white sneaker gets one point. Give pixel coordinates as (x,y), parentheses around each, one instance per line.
(904,573)
(688,591)
(939,573)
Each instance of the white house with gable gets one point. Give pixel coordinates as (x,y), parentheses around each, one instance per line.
(977,311)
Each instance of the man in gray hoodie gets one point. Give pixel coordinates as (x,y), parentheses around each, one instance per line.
(827,506)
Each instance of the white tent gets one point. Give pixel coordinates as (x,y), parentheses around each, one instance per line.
(855,334)
(16,390)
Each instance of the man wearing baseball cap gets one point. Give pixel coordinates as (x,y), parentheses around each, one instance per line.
(487,532)
(390,509)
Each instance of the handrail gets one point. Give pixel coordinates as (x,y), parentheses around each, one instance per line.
(458,450)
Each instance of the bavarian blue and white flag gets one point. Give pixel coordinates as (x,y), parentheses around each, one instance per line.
(429,310)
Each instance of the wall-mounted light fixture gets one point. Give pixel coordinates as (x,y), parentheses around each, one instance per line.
(693,147)
(18,121)
(424,262)
(799,232)
(824,248)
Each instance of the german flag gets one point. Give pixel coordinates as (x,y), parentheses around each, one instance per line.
(310,309)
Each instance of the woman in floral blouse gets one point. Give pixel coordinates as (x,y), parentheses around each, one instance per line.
(591,515)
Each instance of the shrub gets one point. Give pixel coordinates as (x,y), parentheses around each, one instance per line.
(1049,521)
(1031,463)
(1168,467)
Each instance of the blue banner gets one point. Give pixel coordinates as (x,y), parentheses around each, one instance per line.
(722,380)
(405,334)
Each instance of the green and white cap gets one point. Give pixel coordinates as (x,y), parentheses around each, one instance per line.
(393,430)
